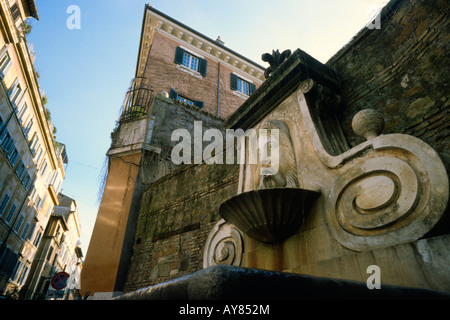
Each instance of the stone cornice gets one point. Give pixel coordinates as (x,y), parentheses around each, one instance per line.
(155,21)
(283,82)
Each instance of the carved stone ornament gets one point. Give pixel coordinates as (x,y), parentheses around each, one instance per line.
(275,60)
(269,215)
(388,190)
(223,246)
(276,207)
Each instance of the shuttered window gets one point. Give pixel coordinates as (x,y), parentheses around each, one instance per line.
(15,10)
(5,62)
(190,61)
(241,85)
(11,213)
(8,261)
(4,203)
(176,96)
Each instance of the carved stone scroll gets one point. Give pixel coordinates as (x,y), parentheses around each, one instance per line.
(388,190)
(223,246)
(395,195)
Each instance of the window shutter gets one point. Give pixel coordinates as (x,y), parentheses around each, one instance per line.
(179,53)
(252,87)
(199,104)
(13,87)
(234,79)
(202,66)
(4,259)
(173,94)
(3,133)
(7,64)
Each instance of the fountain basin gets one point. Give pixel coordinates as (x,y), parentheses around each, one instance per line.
(269,215)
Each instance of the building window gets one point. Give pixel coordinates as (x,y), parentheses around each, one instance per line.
(37,239)
(186,100)
(242,86)
(19,223)
(13,155)
(7,142)
(24,275)
(9,147)
(26,181)
(8,261)
(190,61)
(5,63)
(176,96)
(31,232)
(19,268)
(15,92)
(27,127)
(49,254)
(38,154)
(22,272)
(11,213)
(37,202)
(25,230)
(15,11)
(34,143)
(43,168)
(4,203)
(21,113)
(20,170)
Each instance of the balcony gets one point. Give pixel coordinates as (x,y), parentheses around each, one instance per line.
(61,155)
(138,100)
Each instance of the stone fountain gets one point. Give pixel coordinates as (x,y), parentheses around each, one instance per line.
(269,215)
(276,208)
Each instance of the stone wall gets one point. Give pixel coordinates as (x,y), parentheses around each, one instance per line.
(177,214)
(179,203)
(401,70)
(169,115)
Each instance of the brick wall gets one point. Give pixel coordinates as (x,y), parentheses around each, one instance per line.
(164,75)
(177,214)
(401,70)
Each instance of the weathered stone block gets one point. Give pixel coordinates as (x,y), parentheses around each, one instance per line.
(232,283)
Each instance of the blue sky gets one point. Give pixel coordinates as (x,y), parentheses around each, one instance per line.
(85,72)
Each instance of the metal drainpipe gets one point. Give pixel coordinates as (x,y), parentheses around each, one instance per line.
(218,91)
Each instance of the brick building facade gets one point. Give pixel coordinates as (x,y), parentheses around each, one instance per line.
(194,68)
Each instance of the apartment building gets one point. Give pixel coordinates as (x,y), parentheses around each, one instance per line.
(59,251)
(32,163)
(194,68)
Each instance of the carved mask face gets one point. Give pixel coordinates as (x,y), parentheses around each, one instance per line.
(276,158)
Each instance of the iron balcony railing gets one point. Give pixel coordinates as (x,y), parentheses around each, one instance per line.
(138,100)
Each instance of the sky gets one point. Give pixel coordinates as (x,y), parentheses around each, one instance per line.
(85,72)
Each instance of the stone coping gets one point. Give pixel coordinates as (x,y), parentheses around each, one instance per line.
(224,282)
